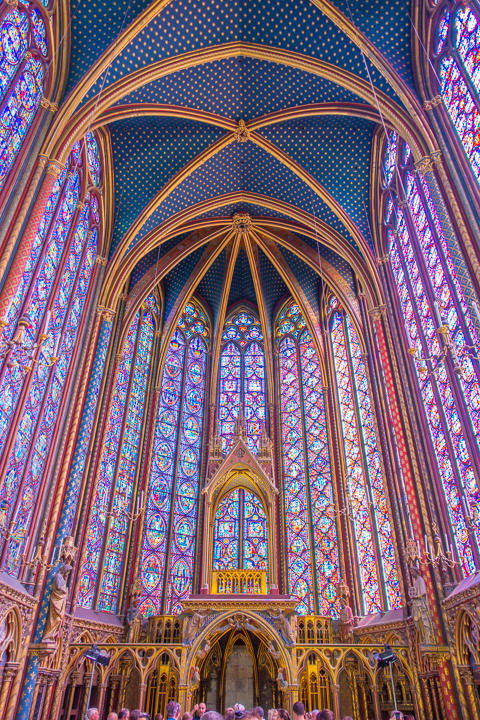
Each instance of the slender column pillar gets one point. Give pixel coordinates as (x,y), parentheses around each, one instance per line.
(51,680)
(86,683)
(73,684)
(102,689)
(352,684)
(24,249)
(141,696)
(376,702)
(114,683)
(38,685)
(471,692)
(9,672)
(336,700)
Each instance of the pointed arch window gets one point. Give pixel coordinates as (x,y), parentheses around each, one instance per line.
(168,548)
(430,294)
(113,499)
(365,491)
(456,45)
(240,533)
(242,379)
(312,543)
(62,258)
(24,52)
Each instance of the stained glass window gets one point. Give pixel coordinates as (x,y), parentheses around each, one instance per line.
(62,258)
(242,379)
(457,45)
(424,273)
(167,561)
(113,500)
(312,545)
(22,75)
(240,533)
(365,491)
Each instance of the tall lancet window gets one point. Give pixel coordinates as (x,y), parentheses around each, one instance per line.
(168,549)
(52,299)
(240,532)
(365,491)
(25,50)
(457,47)
(312,546)
(242,379)
(113,499)
(432,294)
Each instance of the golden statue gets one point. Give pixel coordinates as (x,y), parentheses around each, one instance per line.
(58,603)
(420,609)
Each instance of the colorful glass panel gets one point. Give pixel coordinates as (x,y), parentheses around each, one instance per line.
(298,536)
(101,501)
(255,548)
(467,36)
(127,464)
(462,110)
(442,30)
(158,505)
(358,494)
(39,32)
(18,113)
(254,392)
(72,293)
(372,456)
(93,158)
(188,474)
(414,303)
(14,43)
(390,157)
(324,530)
(230,385)
(14,377)
(226,533)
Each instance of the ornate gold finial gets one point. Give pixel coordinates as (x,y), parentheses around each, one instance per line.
(424,165)
(241,133)
(241,221)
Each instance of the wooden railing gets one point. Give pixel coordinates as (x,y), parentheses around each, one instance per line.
(314,630)
(233,582)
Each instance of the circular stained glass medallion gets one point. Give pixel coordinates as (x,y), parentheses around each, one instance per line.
(164,456)
(189,462)
(155,530)
(166,421)
(183,535)
(173,365)
(151,570)
(191,430)
(195,373)
(186,497)
(14,40)
(169,393)
(194,401)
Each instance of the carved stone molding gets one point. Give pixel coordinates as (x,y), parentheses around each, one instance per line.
(377,313)
(45,103)
(241,132)
(428,105)
(241,221)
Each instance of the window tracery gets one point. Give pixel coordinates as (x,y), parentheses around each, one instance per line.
(24,50)
(240,533)
(167,560)
(113,499)
(456,46)
(242,379)
(62,258)
(312,544)
(366,497)
(424,274)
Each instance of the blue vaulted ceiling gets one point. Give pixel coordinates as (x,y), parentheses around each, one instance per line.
(331,147)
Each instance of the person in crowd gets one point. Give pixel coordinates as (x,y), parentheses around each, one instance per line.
(272,714)
(199,710)
(159,716)
(409,717)
(258,712)
(112,716)
(239,710)
(347,717)
(283,714)
(185,716)
(212,715)
(124,714)
(93,714)
(397,715)
(325,715)
(172,711)
(298,710)
(135,714)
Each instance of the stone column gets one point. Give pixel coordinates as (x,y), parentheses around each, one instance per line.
(73,684)
(24,248)
(336,700)
(39,683)
(352,684)
(102,688)
(51,680)
(9,672)
(376,689)
(183,697)
(114,683)
(141,696)
(86,683)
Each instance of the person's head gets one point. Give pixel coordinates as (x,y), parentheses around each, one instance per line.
(409,717)
(112,716)
(202,709)
(325,715)
(212,715)
(93,714)
(272,714)
(159,716)
(135,714)
(239,710)
(298,709)
(283,714)
(124,714)
(258,712)
(185,716)
(397,715)
(347,717)
(172,710)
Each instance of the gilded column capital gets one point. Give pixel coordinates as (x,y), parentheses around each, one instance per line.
(101,260)
(106,313)
(48,105)
(241,132)
(55,168)
(241,221)
(424,165)
(383,259)
(377,313)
